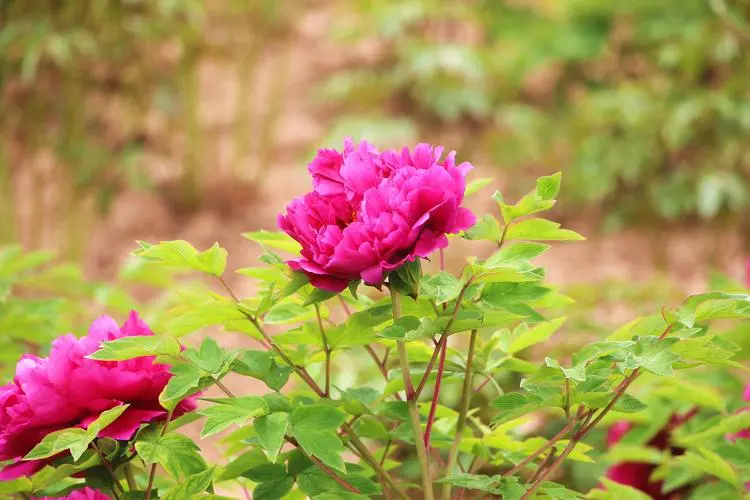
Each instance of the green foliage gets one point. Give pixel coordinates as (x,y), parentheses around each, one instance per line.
(486,368)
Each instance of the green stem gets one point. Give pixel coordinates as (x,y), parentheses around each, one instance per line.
(373,462)
(416,425)
(462,414)
(132,484)
(327,351)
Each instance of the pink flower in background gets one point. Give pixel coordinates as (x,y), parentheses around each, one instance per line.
(371,212)
(638,474)
(747,273)
(67,389)
(82,494)
(745,433)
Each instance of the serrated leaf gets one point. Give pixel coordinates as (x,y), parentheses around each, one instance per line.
(548,186)
(487,228)
(540,230)
(508,488)
(178,454)
(190,486)
(706,461)
(180,253)
(515,252)
(442,287)
(284,313)
(535,335)
(278,240)
(271,430)
(137,346)
(477,184)
(75,440)
(231,411)
(186,379)
(617,491)
(317,417)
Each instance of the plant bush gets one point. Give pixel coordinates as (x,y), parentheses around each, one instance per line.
(453,404)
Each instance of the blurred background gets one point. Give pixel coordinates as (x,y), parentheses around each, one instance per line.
(186,119)
(125,119)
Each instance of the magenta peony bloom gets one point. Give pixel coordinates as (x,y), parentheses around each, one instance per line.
(67,389)
(744,433)
(82,494)
(370,212)
(638,474)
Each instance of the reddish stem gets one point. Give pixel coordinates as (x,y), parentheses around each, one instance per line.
(435,395)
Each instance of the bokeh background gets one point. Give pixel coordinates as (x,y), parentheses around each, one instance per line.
(124,120)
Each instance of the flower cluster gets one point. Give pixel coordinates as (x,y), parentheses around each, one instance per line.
(370,212)
(67,389)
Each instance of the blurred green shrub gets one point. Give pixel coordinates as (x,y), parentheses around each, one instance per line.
(645,106)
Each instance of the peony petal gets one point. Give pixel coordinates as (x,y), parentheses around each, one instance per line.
(20,468)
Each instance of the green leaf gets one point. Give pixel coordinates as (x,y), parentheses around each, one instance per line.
(548,187)
(210,358)
(706,461)
(653,355)
(214,311)
(178,454)
(535,335)
(263,366)
(271,430)
(179,253)
(515,404)
(317,296)
(487,228)
(186,380)
(506,294)
(400,328)
(691,392)
(576,372)
(74,439)
(231,411)
(56,442)
(191,486)
(317,417)
(278,240)
(406,278)
(504,275)
(323,444)
(313,482)
(558,492)
(508,488)
(617,491)
(314,427)
(514,253)
(442,287)
(18,485)
(540,229)
(274,489)
(719,426)
(477,184)
(286,312)
(135,347)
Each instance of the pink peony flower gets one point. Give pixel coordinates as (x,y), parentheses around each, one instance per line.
(638,474)
(744,433)
(82,494)
(747,273)
(370,212)
(67,389)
